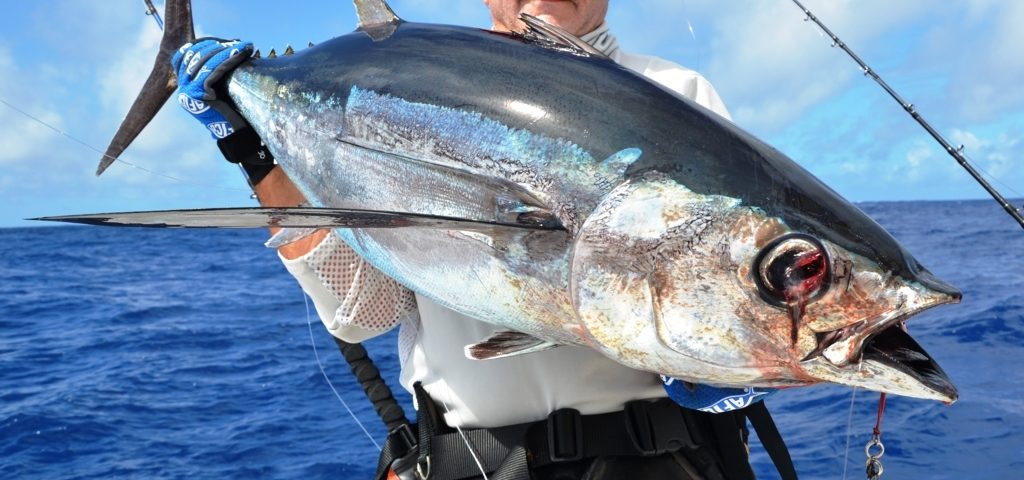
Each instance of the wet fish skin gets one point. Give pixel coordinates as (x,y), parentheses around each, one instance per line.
(665,205)
(656,232)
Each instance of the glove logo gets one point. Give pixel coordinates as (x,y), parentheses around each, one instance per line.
(707,398)
(221,129)
(195,107)
(735,402)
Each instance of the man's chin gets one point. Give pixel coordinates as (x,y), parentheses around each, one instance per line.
(561,13)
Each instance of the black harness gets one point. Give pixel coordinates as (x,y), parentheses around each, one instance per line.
(714,443)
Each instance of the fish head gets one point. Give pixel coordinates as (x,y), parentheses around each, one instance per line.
(712,290)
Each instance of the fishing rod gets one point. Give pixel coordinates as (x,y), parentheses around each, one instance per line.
(152,11)
(955,152)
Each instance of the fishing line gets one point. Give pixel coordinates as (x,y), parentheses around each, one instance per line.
(103,154)
(309,326)
(700,48)
(849,428)
(465,439)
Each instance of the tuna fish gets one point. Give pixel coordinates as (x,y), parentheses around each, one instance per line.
(542,188)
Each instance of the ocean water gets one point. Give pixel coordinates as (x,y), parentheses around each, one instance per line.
(138,353)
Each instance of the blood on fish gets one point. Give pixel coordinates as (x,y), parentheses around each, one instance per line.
(802,280)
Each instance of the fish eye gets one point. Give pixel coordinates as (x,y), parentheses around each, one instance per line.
(792,269)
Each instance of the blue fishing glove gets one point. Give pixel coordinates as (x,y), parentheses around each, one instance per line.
(200,67)
(713,399)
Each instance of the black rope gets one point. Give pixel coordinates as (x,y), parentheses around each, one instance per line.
(368,376)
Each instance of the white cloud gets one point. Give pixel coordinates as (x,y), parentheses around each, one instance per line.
(772,66)
(989,82)
(996,156)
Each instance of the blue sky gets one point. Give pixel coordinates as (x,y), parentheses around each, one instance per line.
(78,64)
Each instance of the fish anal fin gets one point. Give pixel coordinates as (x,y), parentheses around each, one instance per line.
(506,343)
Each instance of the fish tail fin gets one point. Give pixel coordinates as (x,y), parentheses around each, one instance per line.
(178,30)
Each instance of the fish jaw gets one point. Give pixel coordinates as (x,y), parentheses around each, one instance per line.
(890,362)
(876,353)
(858,329)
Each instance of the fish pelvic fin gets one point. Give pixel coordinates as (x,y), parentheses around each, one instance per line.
(178,30)
(376,18)
(506,343)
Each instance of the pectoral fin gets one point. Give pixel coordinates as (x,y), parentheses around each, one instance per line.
(506,343)
(297,217)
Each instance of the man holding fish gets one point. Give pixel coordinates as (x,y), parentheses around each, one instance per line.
(565,412)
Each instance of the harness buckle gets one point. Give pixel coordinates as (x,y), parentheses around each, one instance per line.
(656,427)
(565,435)
(405,438)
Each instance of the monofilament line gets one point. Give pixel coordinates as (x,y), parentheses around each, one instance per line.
(309,325)
(103,154)
(465,439)
(849,428)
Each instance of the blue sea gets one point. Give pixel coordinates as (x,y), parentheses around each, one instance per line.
(147,353)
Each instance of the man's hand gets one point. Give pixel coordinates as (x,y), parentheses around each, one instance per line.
(200,65)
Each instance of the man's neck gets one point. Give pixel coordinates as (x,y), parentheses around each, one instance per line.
(602,39)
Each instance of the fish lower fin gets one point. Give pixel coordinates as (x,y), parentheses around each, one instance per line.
(506,343)
(160,84)
(285,236)
(295,217)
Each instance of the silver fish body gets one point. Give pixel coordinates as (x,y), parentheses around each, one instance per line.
(668,212)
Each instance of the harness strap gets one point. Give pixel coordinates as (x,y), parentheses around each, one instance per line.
(727,429)
(771,439)
(643,428)
(715,444)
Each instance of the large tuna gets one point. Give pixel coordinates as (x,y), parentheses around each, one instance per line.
(578,203)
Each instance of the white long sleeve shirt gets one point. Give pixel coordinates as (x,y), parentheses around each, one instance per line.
(355,301)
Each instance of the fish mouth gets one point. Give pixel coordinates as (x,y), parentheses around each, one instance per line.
(895,349)
(879,354)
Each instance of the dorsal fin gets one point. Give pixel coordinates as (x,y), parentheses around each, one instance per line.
(557,37)
(376,18)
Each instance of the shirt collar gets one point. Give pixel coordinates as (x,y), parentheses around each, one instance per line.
(602,39)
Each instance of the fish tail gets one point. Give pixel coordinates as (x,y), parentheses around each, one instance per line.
(178,30)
